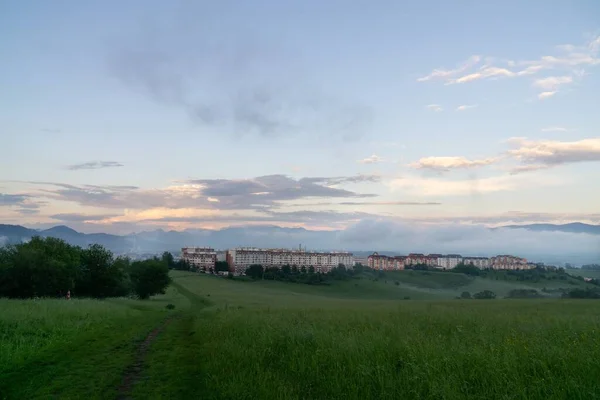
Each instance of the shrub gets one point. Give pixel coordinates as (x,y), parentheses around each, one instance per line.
(486,294)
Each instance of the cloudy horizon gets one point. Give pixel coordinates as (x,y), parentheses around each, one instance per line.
(180,115)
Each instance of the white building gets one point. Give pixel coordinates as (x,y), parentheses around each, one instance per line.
(479,262)
(449,261)
(200,257)
(241,258)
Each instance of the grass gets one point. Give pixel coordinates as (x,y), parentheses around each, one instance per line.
(72,349)
(356,339)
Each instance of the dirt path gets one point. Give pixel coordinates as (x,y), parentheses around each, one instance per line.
(133,372)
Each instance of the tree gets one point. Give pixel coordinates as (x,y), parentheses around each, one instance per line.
(311,269)
(99,277)
(149,277)
(486,294)
(303,269)
(221,266)
(168,259)
(286,270)
(255,271)
(465,295)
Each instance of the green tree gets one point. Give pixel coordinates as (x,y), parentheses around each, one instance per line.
(168,259)
(148,278)
(221,266)
(255,271)
(465,295)
(486,294)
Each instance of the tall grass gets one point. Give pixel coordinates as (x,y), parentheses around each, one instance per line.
(27,326)
(316,347)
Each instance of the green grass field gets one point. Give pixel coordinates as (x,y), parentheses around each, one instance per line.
(357,339)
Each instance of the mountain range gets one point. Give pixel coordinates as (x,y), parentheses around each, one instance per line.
(256,236)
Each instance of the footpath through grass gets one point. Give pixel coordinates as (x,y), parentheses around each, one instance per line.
(258,340)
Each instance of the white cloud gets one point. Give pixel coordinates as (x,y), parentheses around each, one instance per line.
(546,95)
(212,199)
(443,73)
(465,107)
(434,187)
(551,152)
(449,163)
(487,72)
(552,82)
(373,159)
(555,129)
(570,59)
(434,107)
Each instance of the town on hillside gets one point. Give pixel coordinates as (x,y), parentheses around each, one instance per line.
(239,259)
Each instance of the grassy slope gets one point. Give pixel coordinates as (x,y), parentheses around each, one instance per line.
(266,341)
(351,340)
(587,273)
(72,349)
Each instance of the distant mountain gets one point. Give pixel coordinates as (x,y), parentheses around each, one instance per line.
(575,227)
(160,240)
(530,241)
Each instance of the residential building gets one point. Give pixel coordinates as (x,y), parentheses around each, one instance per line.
(201,258)
(479,262)
(449,261)
(505,261)
(241,258)
(385,263)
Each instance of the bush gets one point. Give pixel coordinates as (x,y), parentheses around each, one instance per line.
(149,277)
(170,306)
(465,295)
(485,295)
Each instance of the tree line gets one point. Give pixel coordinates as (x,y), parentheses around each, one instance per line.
(50,267)
(302,274)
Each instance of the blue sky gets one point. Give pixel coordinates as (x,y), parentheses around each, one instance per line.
(122,116)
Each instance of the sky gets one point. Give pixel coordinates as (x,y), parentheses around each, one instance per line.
(135,115)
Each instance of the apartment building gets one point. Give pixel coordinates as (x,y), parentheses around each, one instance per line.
(505,261)
(381,262)
(479,262)
(200,257)
(241,258)
(449,261)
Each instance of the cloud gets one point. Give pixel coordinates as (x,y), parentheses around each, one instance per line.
(217,194)
(485,72)
(94,165)
(554,129)
(434,107)
(450,163)
(546,95)
(387,235)
(465,107)
(373,159)
(445,74)
(436,187)
(74,217)
(536,154)
(552,82)
(243,84)
(13,199)
(570,60)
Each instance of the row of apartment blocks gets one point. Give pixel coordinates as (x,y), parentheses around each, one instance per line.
(241,258)
(449,261)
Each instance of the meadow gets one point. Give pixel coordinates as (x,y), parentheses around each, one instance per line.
(357,339)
